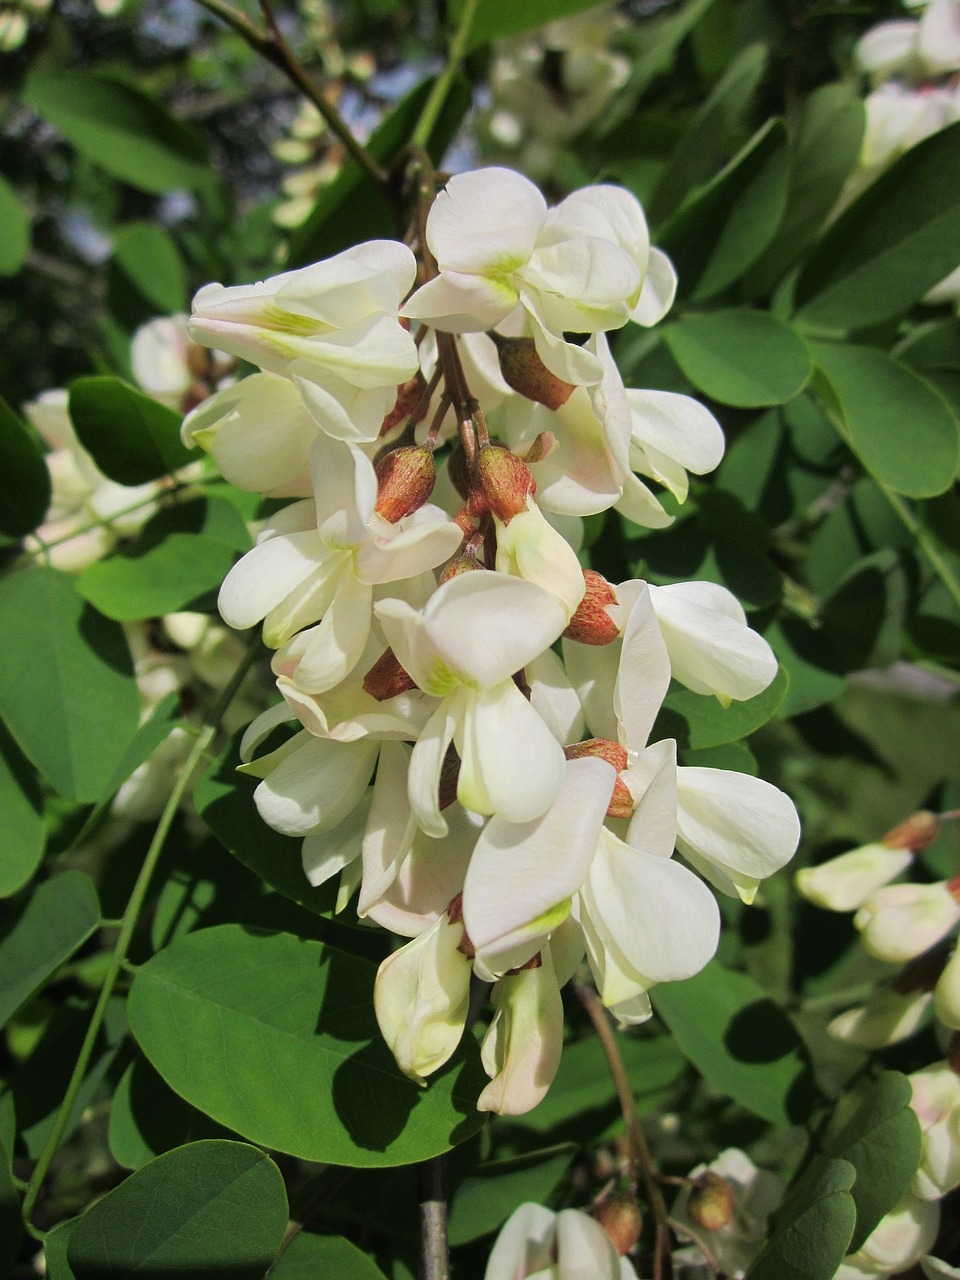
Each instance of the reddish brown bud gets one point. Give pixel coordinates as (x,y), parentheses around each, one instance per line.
(458,469)
(449,778)
(711,1202)
(455,916)
(525,372)
(621,802)
(620,1218)
(915,833)
(465,563)
(405,480)
(408,396)
(592,624)
(502,483)
(386,678)
(923,971)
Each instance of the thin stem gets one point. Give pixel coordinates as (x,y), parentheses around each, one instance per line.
(441,86)
(129,923)
(640,1155)
(926,543)
(271,45)
(49,544)
(434,1256)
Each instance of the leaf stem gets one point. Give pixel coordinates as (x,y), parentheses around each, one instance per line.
(640,1154)
(434,1255)
(926,543)
(441,86)
(128,925)
(270,44)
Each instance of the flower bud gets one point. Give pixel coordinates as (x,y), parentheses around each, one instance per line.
(458,469)
(502,483)
(915,833)
(405,480)
(464,563)
(621,802)
(891,1016)
(844,883)
(591,624)
(525,372)
(386,678)
(408,395)
(620,1218)
(947,994)
(902,920)
(711,1202)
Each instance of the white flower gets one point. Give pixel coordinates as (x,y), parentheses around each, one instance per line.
(521,1050)
(946,996)
(159,359)
(900,1238)
(322,559)
(506,260)
(523,875)
(891,1016)
(464,647)
(421,996)
(755,1194)
(331,327)
(845,882)
(936,1100)
(902,920)
(259,434)
(536,1244)
(929,47)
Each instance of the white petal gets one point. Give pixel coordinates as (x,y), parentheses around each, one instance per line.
(485,221)
(419,542)
(741,824)
(423,778)
(658,292)
(522,875)
(316,786)
(554,698)
(458,303)
(677,426)
(643,674)
(266,577)
(521,1050)
(391,826)
(652,780)
(511,764)
(524,1245)
(325,853)
(320,657)
(584,1249)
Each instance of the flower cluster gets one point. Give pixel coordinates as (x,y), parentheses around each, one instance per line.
(475,710)
(915,926)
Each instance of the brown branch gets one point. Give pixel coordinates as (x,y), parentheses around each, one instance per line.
(640,1156)
(434,1256)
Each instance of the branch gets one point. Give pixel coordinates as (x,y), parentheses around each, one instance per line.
(640,1156)
(434,1257)
(271,45)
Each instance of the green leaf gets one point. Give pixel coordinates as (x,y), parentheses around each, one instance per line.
(882,1141)
(210,1208)
(55,1250)
(147,1118)
(697,720)
(705,146)
(720,231)
(224,799)
(24,478)
(120,128)
(661,42)
(67,691)
(811,683)
(740,357)
(893,244)
(813,1227)
(494,19)
(15,241)
(311,1257)
(822,155)
(167,577)
(293,1058)
(900,427)
(484,1201)
(149,258)
(740,1041)
(21,803)
(352,208)
(132,438)
(41,933)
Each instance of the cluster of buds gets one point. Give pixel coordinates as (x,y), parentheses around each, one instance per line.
(434,631)
(913,925)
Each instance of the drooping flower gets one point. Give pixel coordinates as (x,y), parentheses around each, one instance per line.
(537,1244)
(331,327)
